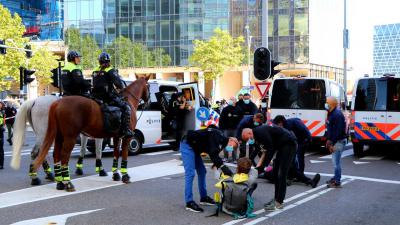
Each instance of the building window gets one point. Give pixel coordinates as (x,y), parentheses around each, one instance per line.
(164,30)
(137,32)
(283,23)
(137,7)
(151,31)
(124,30)
(150,7)
(124,8)
(164,7)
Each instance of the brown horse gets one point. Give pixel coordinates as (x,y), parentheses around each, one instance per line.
(72,115)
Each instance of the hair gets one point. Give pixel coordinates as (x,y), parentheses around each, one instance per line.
(259,116)
(279,119)
(243,165)
(247,94)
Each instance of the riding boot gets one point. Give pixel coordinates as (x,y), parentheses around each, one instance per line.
(126,131)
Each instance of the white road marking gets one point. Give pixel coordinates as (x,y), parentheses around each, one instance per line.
(358,178)
(317,161)
(372,157)
(58,219)
(286,201)
(89,183)
(29,153)
(360,162)
(159,153)
(177,154)
(288,207)
(344,154)
(310,153)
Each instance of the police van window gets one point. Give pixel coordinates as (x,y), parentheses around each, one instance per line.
(299,94)
(188,94)
(393,95)
(371,95)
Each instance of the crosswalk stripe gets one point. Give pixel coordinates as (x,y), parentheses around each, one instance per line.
(89,183)
(158,153)
(58,219)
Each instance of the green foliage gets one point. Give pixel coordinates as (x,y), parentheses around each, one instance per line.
(125,53)
(11,30)
(86,46)
(43,61)
(218,54)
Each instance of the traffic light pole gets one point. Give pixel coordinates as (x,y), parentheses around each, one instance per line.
(21,84)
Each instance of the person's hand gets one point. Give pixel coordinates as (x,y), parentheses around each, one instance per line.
(331,148)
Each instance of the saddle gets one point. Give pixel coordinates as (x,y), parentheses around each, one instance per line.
(111,118)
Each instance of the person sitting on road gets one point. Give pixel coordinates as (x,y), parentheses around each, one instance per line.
(303,135)
(237,190)
(210,141)
(107,86)
(72,80)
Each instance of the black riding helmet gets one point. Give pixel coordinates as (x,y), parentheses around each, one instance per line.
(72,55)
(104,58)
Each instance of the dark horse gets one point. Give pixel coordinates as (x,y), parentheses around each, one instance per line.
(70,116)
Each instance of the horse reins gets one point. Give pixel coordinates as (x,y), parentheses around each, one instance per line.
(137,99)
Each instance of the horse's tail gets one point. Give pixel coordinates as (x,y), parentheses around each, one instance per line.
(21,118)
(50,136)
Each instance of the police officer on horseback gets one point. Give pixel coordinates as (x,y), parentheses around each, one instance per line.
(106,87)
(72,79)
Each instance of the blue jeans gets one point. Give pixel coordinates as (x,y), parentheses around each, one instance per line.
(192,162)
(336,160)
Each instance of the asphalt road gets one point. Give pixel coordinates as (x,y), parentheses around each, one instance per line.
(370,194)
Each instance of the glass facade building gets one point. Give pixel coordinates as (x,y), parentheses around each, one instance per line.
(387,49)
(43,19)
(172,25)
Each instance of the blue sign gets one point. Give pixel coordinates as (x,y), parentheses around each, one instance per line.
(203,114)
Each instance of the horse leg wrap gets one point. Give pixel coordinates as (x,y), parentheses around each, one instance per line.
(32,173)
(65,174)
(57,172)
(99,165)
(46,167)
(115,165)
(124,165)
(79,164)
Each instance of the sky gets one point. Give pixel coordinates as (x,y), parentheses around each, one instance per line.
(362,16)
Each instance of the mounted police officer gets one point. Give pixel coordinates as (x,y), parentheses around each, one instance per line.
(106,87)
(72,79)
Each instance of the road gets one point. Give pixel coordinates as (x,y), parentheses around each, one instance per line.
(370,193)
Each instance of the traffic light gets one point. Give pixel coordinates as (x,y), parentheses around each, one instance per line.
(273,65)
(262,63)
(27,76)
(3,50)
(55,78)
(28,51)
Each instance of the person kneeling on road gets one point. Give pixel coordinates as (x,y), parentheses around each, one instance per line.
(274,139)
(210,141)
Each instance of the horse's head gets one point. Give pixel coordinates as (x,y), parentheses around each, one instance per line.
(138,90)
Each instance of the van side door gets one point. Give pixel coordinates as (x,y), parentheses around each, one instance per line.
(191,93)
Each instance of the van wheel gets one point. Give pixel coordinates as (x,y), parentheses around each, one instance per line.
(135,146)
(358,149)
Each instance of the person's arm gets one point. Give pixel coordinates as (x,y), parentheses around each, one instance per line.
(266,148)
(78,78)
(255,109)
(116,79)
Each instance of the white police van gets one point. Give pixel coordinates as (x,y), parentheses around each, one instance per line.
(304,98)
(153,127)
(375,116)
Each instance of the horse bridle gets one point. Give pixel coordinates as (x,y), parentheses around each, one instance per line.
(145,104)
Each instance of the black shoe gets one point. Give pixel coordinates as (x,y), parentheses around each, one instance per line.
(315,180)
(192,206)
(334,185)
(330,181)
(9,141)
(207,201)
(1,167)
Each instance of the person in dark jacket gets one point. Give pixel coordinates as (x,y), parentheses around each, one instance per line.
(10,112)
(239,102)
(248,107)
(336,138)
(2,117)
(210,141)
(72,79)
(248,122)
(229,121)
(178,110)
(274,139)
(303,136)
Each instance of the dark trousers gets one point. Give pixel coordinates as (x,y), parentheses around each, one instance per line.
(1,146)
(282,163)
(9,130)
(297,168)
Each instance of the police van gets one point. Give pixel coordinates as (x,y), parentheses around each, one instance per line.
(153,127)
(304,98)
(375,116)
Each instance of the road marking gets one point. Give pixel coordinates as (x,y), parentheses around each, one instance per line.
(29,153)
(344,154)
(372,157)
(310,153)
(58,219)
(89,183)
(298,203)
(358,178)
(159,153)
(316,161)
(286,201)
(177,154)
(360,162)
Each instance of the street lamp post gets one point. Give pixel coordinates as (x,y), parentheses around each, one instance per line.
(345,47)
(248,51)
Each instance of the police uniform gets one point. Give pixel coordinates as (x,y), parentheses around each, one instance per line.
(104,83)
(72,80)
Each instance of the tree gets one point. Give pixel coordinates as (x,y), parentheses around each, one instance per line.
(160,57)
(217,55)
(86,46)
(12,30)
(43,61)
